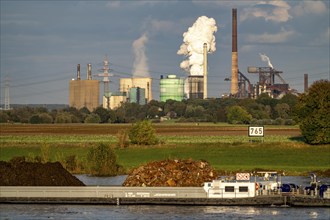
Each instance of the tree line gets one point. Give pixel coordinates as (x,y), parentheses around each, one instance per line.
(263,110)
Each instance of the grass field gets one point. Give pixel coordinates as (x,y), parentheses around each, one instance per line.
(230,150)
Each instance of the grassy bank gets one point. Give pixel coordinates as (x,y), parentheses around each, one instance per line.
(294,159)
(225,147)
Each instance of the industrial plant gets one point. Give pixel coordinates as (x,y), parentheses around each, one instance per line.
(84,93)
(199,41)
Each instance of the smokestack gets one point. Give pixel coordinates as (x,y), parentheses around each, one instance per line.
(305,82)
(78,72)
(89,71)
(234,57)
(205,70)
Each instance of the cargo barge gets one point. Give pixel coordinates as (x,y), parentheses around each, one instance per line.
(240,191)
(149,196)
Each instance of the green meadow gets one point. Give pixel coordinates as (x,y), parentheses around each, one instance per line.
(225,153)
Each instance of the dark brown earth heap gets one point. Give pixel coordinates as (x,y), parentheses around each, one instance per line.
(171,173)
(21,173)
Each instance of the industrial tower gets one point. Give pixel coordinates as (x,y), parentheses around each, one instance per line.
(7,97)
(105,75)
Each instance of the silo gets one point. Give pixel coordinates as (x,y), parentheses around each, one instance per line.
(171,88)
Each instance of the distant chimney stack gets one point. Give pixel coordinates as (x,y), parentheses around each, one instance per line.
(234,55)
(305,82)
(89,71)
(78,72)
(205,70)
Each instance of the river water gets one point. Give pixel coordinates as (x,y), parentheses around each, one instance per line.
(31,211)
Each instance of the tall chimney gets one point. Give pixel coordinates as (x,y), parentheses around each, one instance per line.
(89,71)
(205,70)
(78,72)
(234,57)
(305,82)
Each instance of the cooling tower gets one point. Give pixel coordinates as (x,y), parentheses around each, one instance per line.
(234,56)
(127,83)
(205,70)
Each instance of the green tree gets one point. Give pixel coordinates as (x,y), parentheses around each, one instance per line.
(3,117)
(92,118)
(143,133)
(35,119)
(46,118)
(63,117)
(313,113)
(238,115)
(103,114)
(103,161)
(282,110)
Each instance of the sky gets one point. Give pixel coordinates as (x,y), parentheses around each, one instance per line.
(43,41)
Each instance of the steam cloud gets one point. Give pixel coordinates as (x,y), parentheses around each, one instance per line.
(140,65)
(266,59)
(201,32)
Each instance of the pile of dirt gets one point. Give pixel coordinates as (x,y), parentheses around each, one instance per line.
(172,173)
(21,173)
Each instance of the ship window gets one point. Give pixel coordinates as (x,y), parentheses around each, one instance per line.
(243,189)
(229,189)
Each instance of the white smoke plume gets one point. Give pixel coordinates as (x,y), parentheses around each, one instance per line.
(201,32)
(140,66)
(265,58)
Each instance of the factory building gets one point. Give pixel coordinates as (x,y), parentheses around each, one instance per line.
(194,87)
(84,93)
(117,99)
(137,95)
(171,87)
(127,83)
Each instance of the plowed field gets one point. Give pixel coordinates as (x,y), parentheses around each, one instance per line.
(173,129)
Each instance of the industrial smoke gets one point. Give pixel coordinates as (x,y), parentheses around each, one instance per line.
(201,32)
(265,58)
(140,66)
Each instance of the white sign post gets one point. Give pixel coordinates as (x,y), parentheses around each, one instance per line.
(256,131)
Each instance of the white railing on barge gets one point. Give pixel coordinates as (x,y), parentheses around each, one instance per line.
(100,192)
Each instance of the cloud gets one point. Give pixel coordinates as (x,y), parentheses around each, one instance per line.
(275,11)
(309,7)
(323,39)
(228,4)
(281,37)
(113,4)
(161,25)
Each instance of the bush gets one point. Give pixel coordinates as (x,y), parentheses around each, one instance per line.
(103,161)
(238,115)
(313,113)
(122,136)
(93,118)
(143,133)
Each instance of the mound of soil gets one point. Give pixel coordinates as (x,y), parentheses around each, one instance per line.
(172,173)
(21,173)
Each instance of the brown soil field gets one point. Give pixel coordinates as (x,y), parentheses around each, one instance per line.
(161,129)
